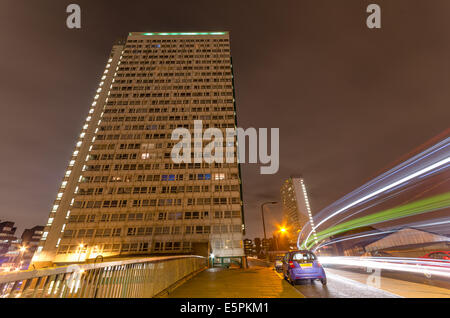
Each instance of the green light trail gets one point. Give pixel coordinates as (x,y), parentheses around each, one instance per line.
(430,204)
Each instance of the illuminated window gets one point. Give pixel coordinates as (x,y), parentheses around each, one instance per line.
(205,176)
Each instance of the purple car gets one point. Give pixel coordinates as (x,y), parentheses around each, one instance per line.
(302,265)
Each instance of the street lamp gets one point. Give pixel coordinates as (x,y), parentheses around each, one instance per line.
(282,231)
(264,224)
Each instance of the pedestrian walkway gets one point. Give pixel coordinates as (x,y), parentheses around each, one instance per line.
(258,281)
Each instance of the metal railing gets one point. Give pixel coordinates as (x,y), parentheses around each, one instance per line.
(133,278)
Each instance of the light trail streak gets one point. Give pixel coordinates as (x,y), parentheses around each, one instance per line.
(371,205)
(430,204)
(408,265)
(385,188)
(379,191)
(433,172)
(352,237)
(387,198)
(414,160)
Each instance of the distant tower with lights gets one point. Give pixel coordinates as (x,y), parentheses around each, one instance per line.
(296,206)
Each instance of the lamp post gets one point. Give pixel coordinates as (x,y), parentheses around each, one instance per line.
(264,224)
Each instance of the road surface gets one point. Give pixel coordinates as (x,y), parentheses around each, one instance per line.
(347,284)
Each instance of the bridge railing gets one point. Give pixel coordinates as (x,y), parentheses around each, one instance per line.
(133,278)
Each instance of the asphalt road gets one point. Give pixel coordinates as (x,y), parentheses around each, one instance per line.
(339,287)
(347,284)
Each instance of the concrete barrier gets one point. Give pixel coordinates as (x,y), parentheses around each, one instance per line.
(133,278)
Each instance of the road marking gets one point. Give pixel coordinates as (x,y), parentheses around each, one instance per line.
(279,275)
(284,281)
(399,287)
(346,281)
(360,285)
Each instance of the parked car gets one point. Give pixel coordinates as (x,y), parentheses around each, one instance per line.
(279,263)
(302,265)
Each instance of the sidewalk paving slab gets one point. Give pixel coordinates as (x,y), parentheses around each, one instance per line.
(254,282)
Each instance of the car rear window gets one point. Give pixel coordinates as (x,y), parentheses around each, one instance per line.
(303,257)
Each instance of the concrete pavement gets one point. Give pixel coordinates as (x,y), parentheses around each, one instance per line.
(258,281)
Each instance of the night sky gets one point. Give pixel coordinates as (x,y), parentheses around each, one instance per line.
(348,100)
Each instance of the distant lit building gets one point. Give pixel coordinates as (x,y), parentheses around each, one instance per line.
(7,232)
(30,242)
(296,207)
(248,247)
(18,252)
(12,259)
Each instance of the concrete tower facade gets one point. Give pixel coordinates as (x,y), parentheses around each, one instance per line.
(122,194)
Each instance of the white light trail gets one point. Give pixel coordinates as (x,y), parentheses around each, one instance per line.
(381,190)
(427,267)
(377,233)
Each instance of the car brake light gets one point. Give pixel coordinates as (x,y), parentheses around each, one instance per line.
(318,264)
(291,264)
